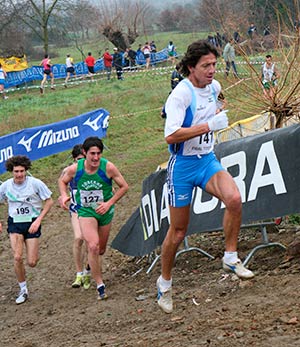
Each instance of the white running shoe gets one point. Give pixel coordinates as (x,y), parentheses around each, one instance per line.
(22,297)
(164,299)
(238,268)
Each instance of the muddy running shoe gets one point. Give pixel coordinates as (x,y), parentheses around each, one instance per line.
(238,268)
(86,281)
(164,299)
(52,88)
(101,292)
(22,297)
(78,281)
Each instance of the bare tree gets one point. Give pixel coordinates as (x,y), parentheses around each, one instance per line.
(77,22)
(11,30)
(225,15)
(121,21)
(284,103)
(36,15)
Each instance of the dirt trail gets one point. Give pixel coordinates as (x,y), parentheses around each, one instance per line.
(261,312)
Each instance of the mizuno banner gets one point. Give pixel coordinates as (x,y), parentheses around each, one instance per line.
(40,142)
(34,73)
(266,169)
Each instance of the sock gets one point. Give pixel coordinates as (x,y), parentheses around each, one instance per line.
(86,272)
(79,273)
(23,286)
(100,285)
(230,257)
(164,285)
(88,267)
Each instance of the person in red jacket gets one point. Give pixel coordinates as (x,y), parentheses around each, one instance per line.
(90,63)
(107,59)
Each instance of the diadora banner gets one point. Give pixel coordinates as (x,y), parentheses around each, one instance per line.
(40,142)
(266,168)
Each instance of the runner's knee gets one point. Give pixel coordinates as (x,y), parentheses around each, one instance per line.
(178,236)
(32,262)
(93,247)
(18,258)
(78,242)
(234,203)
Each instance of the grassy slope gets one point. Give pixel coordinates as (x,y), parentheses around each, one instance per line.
(98,45)
(135,135)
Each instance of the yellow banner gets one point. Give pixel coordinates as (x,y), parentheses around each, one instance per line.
(14,63)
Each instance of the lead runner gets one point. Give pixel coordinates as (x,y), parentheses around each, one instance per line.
(192,117)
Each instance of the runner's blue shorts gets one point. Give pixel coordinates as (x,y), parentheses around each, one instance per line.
(187,172)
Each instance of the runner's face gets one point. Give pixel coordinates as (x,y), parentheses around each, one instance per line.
(203,73)
(19,174)
(93,156)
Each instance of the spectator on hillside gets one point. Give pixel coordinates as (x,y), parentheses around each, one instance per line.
(132,57)
(90,63)
(236,36)
(229,57)
(219,39)
(153,52)
(118,63)
(139,50)
(3,76)
(153,47)
(139,54)
(176,77)
(69,68)
(252,29)
(107,60)
(224,37)
(297,24)
(211,39)
(126,58)
(267,30)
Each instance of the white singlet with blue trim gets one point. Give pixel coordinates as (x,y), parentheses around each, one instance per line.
(187,106)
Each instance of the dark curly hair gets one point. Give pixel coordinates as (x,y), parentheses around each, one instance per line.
(194,52)
(18,160)
(92,141)
(76,151)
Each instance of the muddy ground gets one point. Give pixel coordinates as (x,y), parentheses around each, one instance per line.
(225,311)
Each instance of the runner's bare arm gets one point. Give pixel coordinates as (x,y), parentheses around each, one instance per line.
(65,178)
(46,208)
(114,173)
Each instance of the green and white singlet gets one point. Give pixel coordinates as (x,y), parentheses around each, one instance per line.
(93,189)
